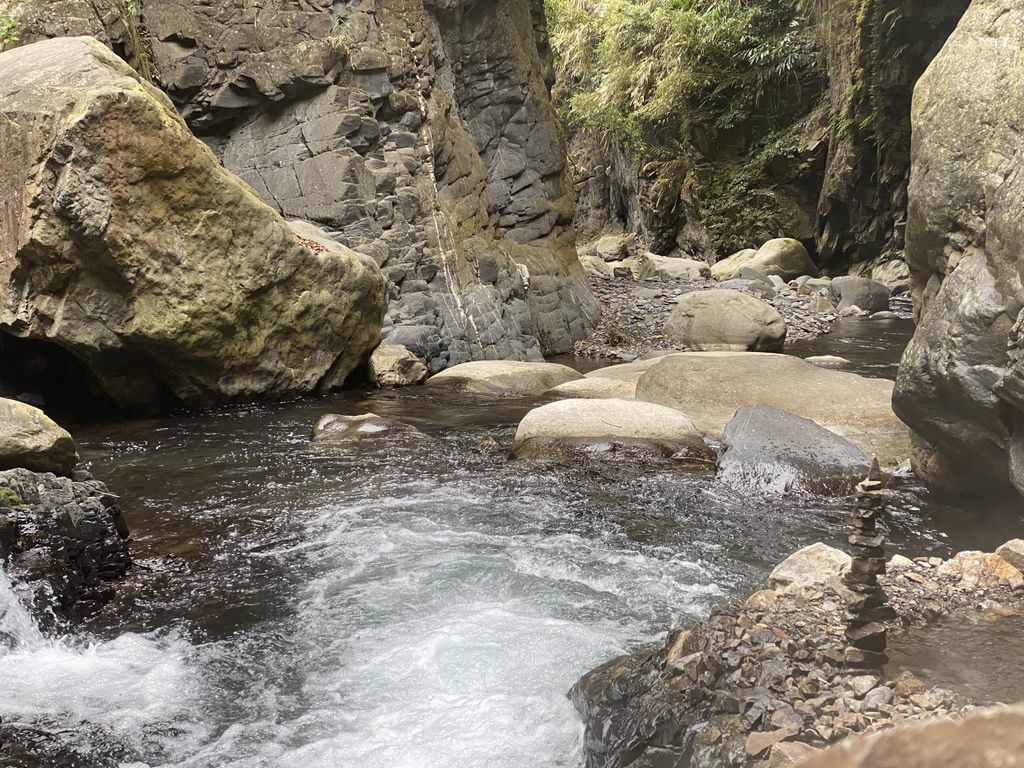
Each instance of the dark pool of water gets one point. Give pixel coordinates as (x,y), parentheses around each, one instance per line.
(873,347)
(975,655)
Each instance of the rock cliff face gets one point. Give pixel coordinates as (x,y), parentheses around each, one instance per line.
(961,381)
(124,244)
(417,132)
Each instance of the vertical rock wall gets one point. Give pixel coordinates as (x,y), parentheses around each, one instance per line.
(961,381)
(419,132)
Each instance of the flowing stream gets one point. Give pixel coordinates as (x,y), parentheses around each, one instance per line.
(407,602)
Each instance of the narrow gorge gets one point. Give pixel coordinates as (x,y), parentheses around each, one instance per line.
(527,383)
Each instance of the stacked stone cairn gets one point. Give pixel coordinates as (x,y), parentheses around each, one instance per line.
(866,609)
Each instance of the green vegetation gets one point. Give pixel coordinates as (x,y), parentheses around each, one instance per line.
(718,87)
(10,498)
(8,24)
(136,39)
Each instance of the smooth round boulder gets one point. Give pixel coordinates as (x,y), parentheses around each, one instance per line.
(595,389)
(725,320)
(551,430)
(654,267)
(784,257)
(771,450)
(729,267)
(392,365)
(870,295)
(30,439)
(710,386)
(504,378)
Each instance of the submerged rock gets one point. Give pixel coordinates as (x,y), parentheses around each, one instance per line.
(773,450)
(725,320)
(63,543)
(557,428)
(337,427)
(710,387)
(30,439)
(135,252)
(505,378)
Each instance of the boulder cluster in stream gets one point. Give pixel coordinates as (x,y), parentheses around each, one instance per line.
(768,682)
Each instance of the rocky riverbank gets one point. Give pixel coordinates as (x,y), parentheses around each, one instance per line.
(638,293)
(764,683)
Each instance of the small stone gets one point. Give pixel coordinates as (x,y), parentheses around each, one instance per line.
(1013,553)
(862,684)
(877,698)
(759,742)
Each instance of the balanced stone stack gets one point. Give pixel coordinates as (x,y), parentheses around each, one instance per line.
(867,609)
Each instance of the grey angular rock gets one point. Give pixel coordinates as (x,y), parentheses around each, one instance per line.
(773,450)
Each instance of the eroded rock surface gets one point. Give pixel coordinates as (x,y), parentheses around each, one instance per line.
(420,133)
(132,250)
(63,543)
(961,382)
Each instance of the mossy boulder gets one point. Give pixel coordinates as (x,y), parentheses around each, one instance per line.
(30,439)
(127,244)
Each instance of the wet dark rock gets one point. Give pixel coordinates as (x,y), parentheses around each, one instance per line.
(64,543)
(770,449)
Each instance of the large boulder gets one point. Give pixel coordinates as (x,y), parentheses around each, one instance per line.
(138,254)
(654,267)
(870,295)
(961,382)
(548,431)
(729,267)
(984,738)
(30,439)
(773,450)
(725,320)
(784,257)
(392,365)
(711,386)
(505,378)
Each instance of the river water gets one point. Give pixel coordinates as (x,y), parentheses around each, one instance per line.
(407,602)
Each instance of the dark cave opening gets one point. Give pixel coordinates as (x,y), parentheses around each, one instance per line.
(50,377)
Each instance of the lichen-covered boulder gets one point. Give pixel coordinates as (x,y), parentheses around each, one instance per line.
(124,242)
(729,267)
(961,382)
(725,320)
(32,440)
(784,257)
